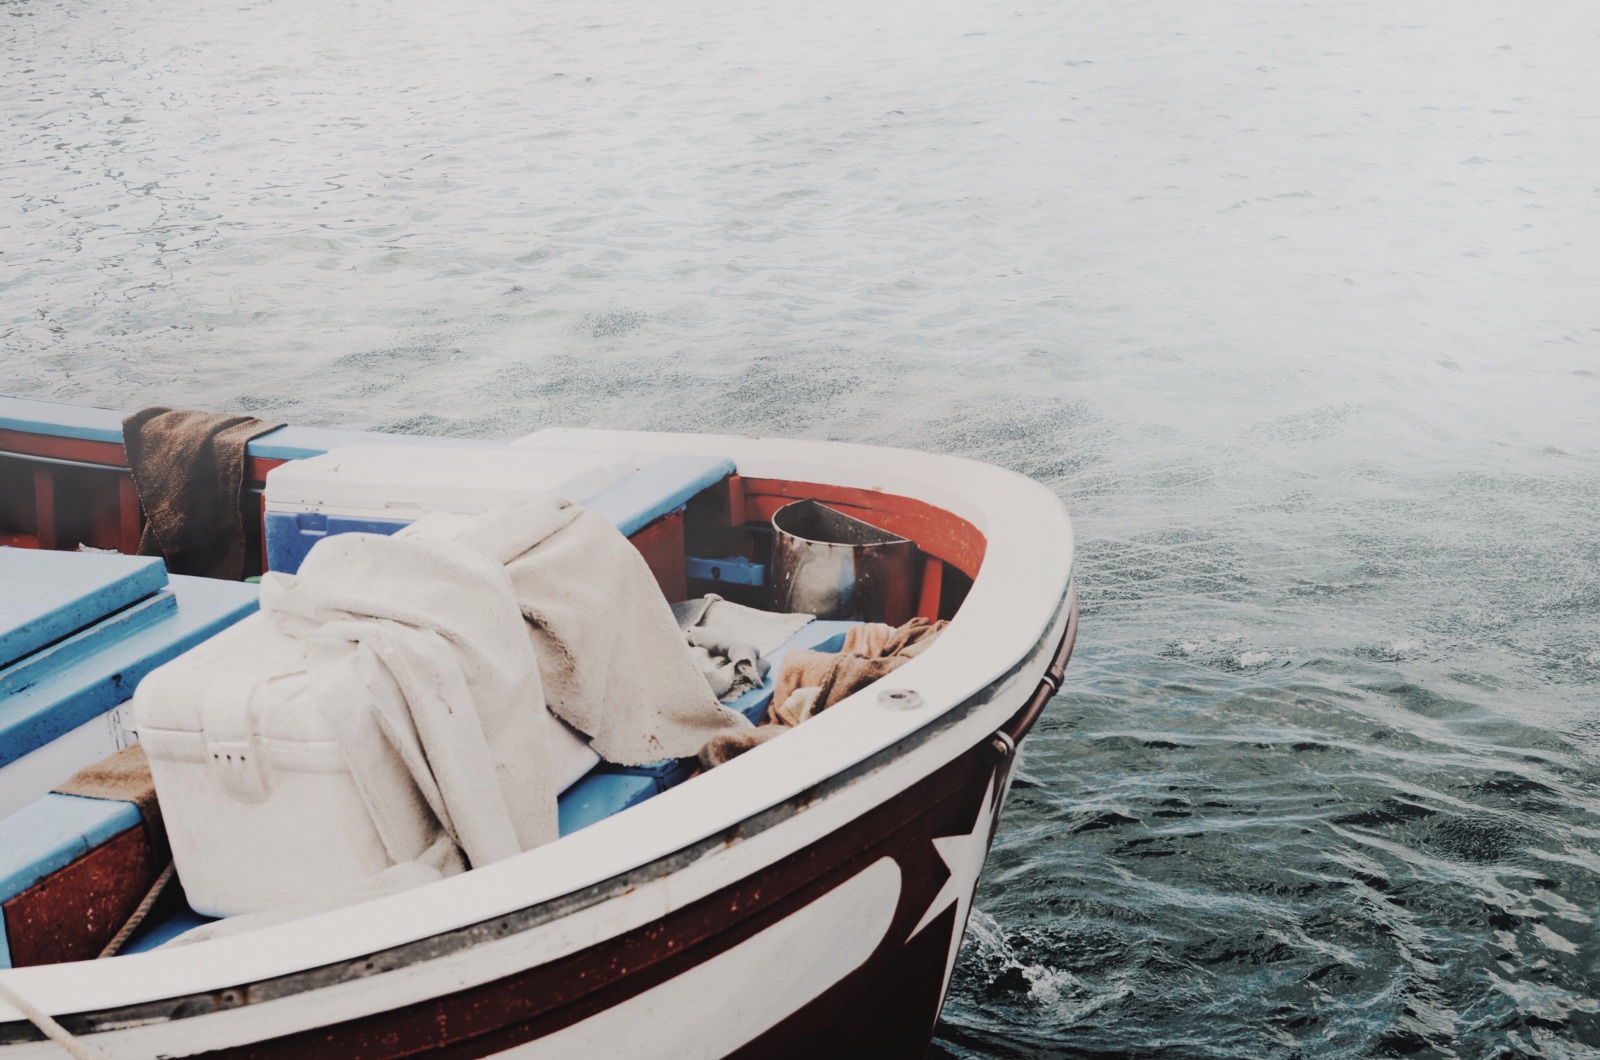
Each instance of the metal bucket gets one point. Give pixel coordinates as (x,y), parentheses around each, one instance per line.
(828,564)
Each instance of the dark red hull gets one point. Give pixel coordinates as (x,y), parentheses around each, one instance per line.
(886,1008)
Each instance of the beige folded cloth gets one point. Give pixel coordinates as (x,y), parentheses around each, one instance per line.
(729,641)
(612,659)
(762,630)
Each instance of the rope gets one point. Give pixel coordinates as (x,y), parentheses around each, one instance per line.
(51,1029)
(150,899)
(55,1031)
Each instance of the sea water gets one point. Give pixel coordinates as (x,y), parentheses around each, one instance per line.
(1294,305)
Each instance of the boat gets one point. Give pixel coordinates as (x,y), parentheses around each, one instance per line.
(807,898)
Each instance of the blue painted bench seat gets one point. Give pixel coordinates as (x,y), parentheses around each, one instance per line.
(51,595)
(50,834)
(57,830)
(53,691)
(659,488)
(609,789)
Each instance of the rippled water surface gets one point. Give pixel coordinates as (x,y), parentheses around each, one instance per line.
(1294,305)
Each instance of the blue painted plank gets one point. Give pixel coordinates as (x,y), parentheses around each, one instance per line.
(598,796)
(52,832)
(50,595)
(730,570)
(631,504)
(49,834)
(298,443)
(60,420)
(42,664)
(71,696)
(153,933)
(657,489)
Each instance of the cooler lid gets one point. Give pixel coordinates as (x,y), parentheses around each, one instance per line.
(47,595)
(403,482)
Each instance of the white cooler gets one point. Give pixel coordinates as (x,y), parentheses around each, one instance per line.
(378,489)
(259,804)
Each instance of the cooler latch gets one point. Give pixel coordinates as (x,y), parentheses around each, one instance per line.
(238,768)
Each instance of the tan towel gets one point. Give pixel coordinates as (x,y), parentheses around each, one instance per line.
(875,640)
(810,682)
(913,638)
(804,669)
(868,639)
(800,705)
(189,470)
(612,658)
(833,675)
(844,672)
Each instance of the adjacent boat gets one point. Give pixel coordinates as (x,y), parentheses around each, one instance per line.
(806,899)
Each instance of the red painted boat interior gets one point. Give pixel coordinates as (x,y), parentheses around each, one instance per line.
(72,913)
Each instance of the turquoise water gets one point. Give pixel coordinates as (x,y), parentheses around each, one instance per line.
(1293,305)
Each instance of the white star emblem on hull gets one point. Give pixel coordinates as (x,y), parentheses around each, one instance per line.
(964,855)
